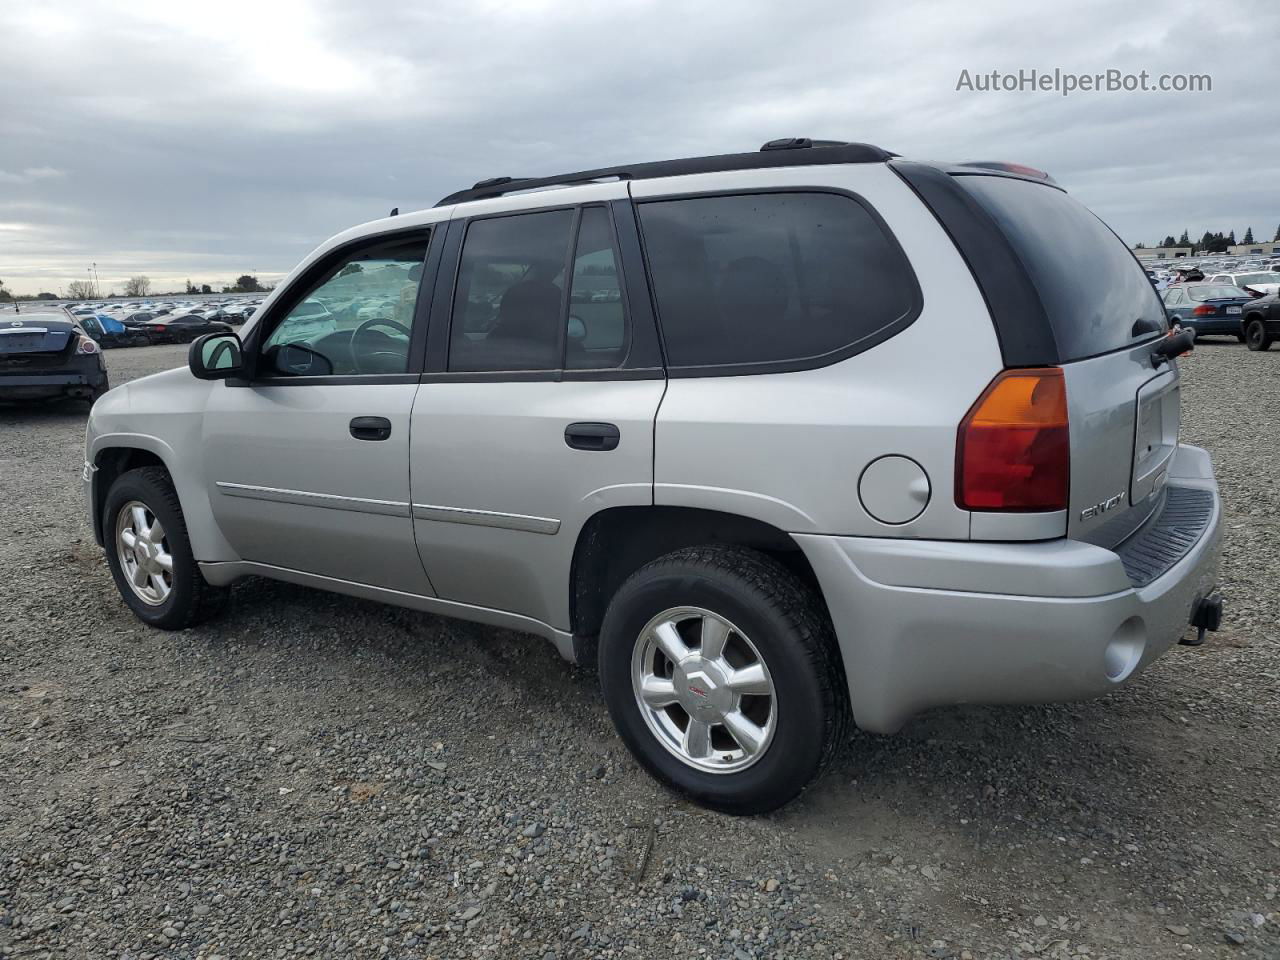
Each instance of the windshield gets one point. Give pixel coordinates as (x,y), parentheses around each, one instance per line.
(1216,292)
(1095,293)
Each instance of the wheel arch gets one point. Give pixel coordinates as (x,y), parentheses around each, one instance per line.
(617,541)
(114,454)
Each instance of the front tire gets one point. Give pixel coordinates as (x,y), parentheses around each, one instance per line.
(1256,336)
(150,555)
(722,675)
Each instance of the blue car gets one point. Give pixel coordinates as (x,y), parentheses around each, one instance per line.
(1210,309)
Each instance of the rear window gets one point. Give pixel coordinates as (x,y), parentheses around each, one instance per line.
(1216,292)
(1096,295)
(756,281)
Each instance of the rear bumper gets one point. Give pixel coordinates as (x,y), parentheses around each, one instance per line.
(80,379)
(1219,327)
(927,623)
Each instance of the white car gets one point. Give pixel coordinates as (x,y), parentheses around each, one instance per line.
(1261,281)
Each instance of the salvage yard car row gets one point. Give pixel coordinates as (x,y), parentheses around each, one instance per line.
(140,324)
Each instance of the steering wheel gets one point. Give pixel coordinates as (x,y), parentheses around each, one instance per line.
(377,322)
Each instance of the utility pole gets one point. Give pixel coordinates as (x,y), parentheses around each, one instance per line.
(97,285)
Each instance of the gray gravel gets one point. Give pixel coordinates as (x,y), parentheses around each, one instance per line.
(318,776)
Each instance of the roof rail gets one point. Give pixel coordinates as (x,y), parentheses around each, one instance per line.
(790,152)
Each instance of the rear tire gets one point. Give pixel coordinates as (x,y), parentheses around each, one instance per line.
(773,708)
(172,594)
(1256,336)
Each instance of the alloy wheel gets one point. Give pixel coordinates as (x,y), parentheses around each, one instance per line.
(704,690)
(143,551)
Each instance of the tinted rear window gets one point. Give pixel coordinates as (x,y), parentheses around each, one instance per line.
(759,280)
(1217,292)
(1096,295)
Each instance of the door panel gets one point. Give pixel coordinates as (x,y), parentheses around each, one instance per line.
(290,486)
(499,496)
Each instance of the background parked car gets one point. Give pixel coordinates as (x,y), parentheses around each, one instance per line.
(1210,309)
(1259,282)
(1262,321)
(109,332)
(49,355)
(183,328)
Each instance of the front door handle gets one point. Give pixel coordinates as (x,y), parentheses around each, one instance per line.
(371,428)
(592,436)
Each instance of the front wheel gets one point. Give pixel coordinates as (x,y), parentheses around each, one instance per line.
(150,555)
(721,673)
(1256,336)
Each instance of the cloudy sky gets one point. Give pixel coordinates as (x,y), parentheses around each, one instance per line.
(184,139)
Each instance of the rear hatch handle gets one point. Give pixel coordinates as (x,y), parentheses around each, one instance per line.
(1178,342)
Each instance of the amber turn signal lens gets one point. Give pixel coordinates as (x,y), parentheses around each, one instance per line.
(1013,448)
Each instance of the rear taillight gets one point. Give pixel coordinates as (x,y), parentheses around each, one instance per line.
(1013,449)
(1204,310)
(86,346)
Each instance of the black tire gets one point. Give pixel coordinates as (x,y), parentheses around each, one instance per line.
(1256,335)
(1240,337)
(191,599)
(787,623)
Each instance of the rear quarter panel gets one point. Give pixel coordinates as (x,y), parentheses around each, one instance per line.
(788,448)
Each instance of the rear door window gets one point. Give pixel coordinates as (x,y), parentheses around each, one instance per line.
(1095,293)
(755,282)
(508,305)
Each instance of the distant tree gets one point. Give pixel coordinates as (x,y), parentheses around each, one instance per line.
(5,295)
(1231,239)
(245,283)
(1248,235)
(80,290)
(138,286)
(1169,241)
(1184,240)
(205,288)
(1276,238)
(228,290)
(47,296)
(1139,245)
(191,287)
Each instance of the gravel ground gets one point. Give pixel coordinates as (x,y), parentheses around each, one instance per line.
(318,776)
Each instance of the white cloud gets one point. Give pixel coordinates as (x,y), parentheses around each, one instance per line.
(232,135)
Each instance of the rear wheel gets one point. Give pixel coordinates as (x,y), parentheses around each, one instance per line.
(150,555)
(1256,335)
(722,675)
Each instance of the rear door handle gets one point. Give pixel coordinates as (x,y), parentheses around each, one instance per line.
(371,428)
(592,436)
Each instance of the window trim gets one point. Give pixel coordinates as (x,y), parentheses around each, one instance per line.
(440,333)
(752,368)
(314,276)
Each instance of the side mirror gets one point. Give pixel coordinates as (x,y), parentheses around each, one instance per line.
(216,356)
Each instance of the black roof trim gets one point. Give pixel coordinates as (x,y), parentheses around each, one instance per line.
(1021,322)
(796,155)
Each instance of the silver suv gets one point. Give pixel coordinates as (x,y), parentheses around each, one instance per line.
(779,440)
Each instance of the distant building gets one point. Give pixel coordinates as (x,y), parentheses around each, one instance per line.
(1255,249)
(1270,248)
